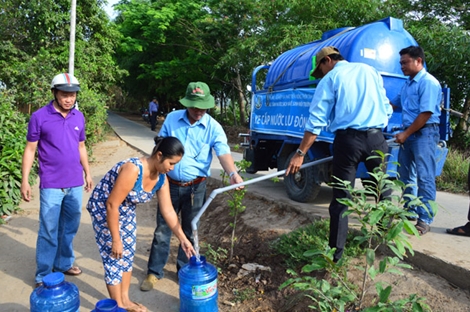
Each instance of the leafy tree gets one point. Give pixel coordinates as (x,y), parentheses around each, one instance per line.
(34,47)
(165,44)
(156,48)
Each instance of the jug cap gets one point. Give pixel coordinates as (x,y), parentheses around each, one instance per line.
(53,279)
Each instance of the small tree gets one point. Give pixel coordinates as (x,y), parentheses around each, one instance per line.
(381,224)
(235,203)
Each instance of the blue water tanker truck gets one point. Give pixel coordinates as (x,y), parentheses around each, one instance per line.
(280,104)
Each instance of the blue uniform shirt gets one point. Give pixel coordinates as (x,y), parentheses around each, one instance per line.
(351,95)
(421,94)
(153,107)
(198,139)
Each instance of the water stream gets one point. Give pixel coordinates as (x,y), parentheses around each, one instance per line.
(196,244)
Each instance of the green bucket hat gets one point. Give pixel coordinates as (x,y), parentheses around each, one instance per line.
(198,95)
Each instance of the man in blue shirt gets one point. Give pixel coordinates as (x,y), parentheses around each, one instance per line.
(419,100)
(350,101)
(200,135)
(153,111)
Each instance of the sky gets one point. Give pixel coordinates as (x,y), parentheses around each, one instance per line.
(109,9)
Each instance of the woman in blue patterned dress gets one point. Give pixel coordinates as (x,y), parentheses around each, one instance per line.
(112,209)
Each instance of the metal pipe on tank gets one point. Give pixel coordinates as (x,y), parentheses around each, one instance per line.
(215,192)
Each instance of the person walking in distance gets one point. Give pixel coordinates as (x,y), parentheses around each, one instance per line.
(153,112)
(57,131)
(350,100)
(200,134)
(419,101)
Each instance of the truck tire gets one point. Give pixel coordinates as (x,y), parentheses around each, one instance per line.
(249,155)
(302,186)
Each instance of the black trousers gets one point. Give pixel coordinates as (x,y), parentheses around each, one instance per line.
(153,120)
(350,147)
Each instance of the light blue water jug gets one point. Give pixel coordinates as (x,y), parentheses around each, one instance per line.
(198,286)
(107,305)
(55,295)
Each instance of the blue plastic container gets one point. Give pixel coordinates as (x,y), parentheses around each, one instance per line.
(198,286)
(107,305)
(55,295)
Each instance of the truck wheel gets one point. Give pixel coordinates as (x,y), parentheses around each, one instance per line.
(302,186)
(249,155)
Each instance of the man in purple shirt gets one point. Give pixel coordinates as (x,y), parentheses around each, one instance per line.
(57,131)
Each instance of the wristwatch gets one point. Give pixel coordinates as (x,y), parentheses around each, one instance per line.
(299,152)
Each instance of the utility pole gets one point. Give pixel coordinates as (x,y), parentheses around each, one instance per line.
(73,16)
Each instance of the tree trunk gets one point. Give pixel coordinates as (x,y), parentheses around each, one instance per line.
(462,126)
(241,98)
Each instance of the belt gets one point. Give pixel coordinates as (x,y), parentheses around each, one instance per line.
(355,131)
(184,184)
(427,126)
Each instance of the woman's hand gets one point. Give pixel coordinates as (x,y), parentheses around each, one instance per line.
(188,248)
(117,249)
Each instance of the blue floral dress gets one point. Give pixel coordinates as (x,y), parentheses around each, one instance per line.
(127,220)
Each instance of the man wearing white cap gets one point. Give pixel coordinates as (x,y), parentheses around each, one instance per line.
(57,132)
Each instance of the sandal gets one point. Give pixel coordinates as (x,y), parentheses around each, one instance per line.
(74,270)
(463,230)
(422,227)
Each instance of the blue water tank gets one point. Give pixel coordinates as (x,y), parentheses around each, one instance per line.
(198,286)
(377,44)
(55,295)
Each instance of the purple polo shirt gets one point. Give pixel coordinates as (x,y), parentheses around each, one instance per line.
(58,140)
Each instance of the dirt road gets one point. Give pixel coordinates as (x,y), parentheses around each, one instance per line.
(18,238)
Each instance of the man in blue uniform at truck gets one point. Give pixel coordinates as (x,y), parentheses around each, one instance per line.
(420,100)
(350,100)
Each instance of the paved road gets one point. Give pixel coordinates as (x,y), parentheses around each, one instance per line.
(437,252)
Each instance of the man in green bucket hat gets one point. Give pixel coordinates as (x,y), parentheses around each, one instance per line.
(198,95)
(201,135)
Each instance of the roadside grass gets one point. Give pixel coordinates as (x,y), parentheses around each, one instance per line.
(453,178)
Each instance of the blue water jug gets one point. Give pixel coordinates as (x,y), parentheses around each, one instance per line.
(55,295)
(107,305)
(198,286)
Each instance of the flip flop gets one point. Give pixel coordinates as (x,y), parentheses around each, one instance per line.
(139,308)
(74,271)
(463,230)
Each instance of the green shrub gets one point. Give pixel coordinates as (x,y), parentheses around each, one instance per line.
(13,128)
(92,105)
(295,244)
